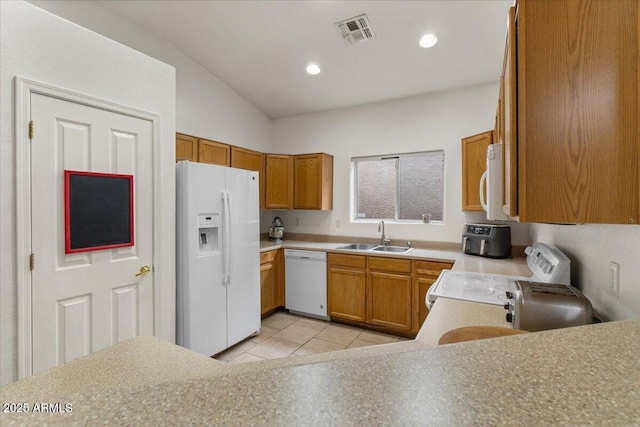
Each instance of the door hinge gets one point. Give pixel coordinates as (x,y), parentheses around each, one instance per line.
(32,262)
(31,125)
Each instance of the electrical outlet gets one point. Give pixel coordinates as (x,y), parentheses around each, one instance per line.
(337,223)
(614,278)
(297,221)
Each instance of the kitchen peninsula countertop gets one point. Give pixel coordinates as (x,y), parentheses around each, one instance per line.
(448,314)
(587,375)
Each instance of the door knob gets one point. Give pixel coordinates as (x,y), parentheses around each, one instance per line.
(143,270)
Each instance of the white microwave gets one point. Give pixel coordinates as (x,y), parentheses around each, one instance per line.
(492,203)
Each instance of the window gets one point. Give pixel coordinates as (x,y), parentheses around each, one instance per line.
(400,187)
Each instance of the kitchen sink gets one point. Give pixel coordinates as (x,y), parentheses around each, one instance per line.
(377,248)
(358,246)
(399,249)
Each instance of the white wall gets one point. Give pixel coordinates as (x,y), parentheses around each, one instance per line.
(205,105)
(39,46)
(590,248)
(429,122)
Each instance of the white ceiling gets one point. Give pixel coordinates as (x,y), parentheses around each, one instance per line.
(261,48)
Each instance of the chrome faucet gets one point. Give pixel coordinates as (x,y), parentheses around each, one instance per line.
(383,240)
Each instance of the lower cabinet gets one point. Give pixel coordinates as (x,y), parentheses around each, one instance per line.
(425,275)
(346,287)
(389,297)
(383,292)
(271,280)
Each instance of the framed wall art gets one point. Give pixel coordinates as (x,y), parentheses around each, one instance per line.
(98,211)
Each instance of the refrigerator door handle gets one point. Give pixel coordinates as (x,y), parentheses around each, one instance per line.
(225,249)
(228,234)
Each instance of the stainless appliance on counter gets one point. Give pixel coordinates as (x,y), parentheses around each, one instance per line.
(536,306)
(487,240)
(276,231)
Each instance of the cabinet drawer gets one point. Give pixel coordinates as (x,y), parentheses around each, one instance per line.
(431,268)
(268,256)
(356,261)
(390,264)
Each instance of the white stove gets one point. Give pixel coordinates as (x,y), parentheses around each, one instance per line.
(477,287)
(548,264)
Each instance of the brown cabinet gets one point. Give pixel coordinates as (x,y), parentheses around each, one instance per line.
(346,286)
(215,153)
(474,161)
(271,280)
(425,275)
(304,181)
(313,181)
(186,148)
(384,292)
(278,181)
(508,120)
(250,160)
(389,293)
(572,142)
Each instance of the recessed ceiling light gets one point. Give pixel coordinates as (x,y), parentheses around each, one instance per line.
(428,40)
(313,69)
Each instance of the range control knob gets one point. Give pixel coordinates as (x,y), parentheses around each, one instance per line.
(506,306)
(509,317)
(509,294)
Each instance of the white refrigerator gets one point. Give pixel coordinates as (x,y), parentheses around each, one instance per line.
(218,256)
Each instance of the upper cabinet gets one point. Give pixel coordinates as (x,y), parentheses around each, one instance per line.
(474,163)
(313,181)
(250,160)
(278,181)
(186,148)
(569,112)
(304,181)
(214,152)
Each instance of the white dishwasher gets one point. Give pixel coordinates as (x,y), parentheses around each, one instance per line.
(306,282)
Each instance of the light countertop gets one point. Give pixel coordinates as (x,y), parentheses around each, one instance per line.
(143,360)
(448,314)
(516,266)
(588,375)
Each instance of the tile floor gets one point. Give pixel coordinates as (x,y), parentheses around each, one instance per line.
(286,335)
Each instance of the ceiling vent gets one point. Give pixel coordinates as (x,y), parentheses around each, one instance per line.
(354,30)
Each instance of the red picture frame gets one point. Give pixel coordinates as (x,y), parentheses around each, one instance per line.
(98,211)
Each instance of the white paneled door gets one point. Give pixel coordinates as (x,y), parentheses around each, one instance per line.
(83,302)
